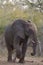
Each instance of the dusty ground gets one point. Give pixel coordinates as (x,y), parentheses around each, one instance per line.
(28,61)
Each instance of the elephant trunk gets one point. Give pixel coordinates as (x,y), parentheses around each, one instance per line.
(35,42)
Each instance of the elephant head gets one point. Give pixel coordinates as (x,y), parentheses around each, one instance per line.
(31,31)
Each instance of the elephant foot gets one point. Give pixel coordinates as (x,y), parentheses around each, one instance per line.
(14,60)
(21,61)
(32,54)
(9,60)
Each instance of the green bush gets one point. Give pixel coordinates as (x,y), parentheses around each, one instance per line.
(7,16)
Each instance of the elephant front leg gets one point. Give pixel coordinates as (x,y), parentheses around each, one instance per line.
(16,45)
(24,48)
(14,57)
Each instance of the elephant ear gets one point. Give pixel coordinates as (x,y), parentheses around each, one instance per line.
(35,33)
(27,27)
(33,27)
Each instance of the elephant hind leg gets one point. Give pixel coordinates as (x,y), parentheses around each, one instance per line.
(9,54)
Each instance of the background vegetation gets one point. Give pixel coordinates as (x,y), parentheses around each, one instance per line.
(34,12)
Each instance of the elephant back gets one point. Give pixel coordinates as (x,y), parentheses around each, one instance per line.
(19,28)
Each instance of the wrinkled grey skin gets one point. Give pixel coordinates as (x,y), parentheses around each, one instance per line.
(17,34)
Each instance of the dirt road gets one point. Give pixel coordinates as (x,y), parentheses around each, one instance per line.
(28,61)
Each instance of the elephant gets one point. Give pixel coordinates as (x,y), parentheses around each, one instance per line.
(17,34)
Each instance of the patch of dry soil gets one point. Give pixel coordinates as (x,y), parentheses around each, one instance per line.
(28,61)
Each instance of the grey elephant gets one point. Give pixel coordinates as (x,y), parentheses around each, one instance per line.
(17,34)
